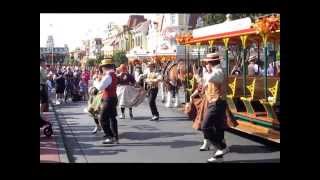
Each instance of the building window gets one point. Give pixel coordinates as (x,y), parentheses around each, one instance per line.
(173,19)
(137,41)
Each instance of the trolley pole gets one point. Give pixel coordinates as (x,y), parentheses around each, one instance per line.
(243,40)
(244,71)
(226,41)
(198,54)
(258,57)
(185,62)
(188,72)
(227,61)
(274,58)
(265,71)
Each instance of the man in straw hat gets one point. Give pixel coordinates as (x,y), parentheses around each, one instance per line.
(152,80)
(108,85)
(213,124)
(252,67)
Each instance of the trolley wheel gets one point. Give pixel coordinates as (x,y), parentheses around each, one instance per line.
(48,131)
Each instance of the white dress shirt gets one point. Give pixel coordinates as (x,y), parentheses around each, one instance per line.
(216,76)
(105,81)
(137,76)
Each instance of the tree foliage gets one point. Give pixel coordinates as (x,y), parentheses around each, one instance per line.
(91,62)
(119,57)
(211,19)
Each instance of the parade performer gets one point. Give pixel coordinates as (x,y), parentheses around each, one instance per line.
(108,85)
(213,124)
(138,74)
(152,85)
(126,92)
(94,102)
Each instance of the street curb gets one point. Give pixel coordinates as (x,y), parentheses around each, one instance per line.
(62,150)
(72,146)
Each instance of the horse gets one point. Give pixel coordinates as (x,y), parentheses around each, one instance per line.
(173,78)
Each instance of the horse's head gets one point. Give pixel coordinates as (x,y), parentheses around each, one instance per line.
(183,72)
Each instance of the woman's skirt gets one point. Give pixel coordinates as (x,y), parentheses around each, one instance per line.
(129,96)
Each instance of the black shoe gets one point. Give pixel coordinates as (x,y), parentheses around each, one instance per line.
(115,140)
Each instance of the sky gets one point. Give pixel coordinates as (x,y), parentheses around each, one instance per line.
(70,28)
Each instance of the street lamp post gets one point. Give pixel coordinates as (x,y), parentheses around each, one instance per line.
(52,55)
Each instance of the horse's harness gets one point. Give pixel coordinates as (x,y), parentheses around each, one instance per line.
(167,69)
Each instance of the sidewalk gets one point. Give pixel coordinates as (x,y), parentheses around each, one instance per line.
(52,148)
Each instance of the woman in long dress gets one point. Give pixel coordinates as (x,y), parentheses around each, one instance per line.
(128,95)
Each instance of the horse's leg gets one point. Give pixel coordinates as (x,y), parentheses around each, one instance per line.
(162,91)
(174,92)
(176,104)
(169,98)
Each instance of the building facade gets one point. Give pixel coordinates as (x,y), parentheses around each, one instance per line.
(163,34)
(54,55)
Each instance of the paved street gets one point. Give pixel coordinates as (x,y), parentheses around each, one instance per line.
(168,141)
(107,50)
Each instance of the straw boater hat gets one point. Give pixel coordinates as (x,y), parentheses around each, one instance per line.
(252,58)
(106,62)
(212,57)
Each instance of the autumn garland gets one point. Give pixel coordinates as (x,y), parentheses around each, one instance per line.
(266,26)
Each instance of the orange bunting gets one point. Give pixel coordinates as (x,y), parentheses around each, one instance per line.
(267,25)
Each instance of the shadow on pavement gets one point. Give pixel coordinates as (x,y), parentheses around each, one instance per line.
(175,119)
(104,151)
(145,127)
(255,161)
(109,149)
(150,135)
(96,149)
(137,118)
(69,117)
(172,144)
(72,114)
(248,149)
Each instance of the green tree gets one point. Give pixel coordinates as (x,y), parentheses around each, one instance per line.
(99,59)
(119,57)
(91,62)
(72,61)
(66,60)
(211,19)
